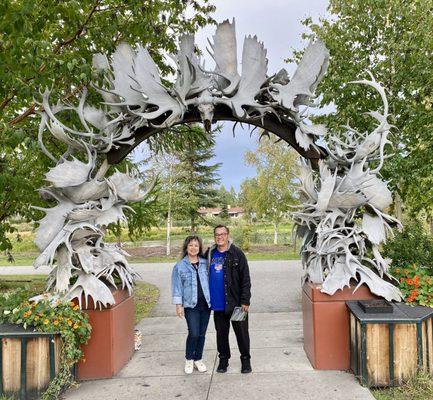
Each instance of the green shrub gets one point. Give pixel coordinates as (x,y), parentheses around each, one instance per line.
(411,251)
(413,245)
(241,236)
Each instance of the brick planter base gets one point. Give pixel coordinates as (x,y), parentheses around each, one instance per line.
(112,340)
(326,325)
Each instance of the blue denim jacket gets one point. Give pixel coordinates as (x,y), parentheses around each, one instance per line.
(184,282)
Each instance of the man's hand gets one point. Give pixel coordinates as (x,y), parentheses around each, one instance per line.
(245,307)
(179,310)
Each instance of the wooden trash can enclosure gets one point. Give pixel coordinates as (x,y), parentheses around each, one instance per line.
(28,361)
(387,349)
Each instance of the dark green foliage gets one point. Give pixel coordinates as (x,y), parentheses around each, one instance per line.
(413,245)
(224,210)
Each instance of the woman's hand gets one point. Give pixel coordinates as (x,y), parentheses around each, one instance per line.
(179,310)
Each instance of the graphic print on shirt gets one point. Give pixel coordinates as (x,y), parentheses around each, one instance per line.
(216,280)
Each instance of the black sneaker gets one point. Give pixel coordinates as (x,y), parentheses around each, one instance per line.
(223,364)
(246,365)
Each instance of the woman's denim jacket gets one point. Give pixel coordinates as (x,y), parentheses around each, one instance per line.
(184,282)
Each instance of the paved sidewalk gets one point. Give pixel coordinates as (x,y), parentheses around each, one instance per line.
(280,368)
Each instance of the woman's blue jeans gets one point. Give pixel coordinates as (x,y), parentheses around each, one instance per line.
(197,321)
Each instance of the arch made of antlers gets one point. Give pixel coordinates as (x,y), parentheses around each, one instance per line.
(344,213)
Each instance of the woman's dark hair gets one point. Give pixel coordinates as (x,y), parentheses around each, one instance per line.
(188,240)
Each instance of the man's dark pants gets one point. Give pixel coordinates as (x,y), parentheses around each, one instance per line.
(222,326)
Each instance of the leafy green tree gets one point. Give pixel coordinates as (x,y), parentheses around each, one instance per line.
(51,44)
(270,194)
(392,39)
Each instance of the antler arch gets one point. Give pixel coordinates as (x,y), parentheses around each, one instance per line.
(137,104)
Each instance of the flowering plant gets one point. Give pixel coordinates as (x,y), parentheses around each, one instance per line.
(53,316)
(416,284)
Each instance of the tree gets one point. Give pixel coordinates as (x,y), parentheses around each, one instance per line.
(224,214)
(52,46)
(393,40)
(226,199)
(197,177)
(233,196)
(180,180)
(270,194)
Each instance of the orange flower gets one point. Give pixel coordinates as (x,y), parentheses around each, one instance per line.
(56,322)
(410,282)
(69,322)
(76,308)
(46,321)
(402,279)
(397,270)
(76,326)
(25,315)
(414,293)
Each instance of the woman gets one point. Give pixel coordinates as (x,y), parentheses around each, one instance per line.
(190,290)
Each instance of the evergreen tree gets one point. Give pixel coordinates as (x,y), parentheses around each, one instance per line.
(198,177)
(224,210)
(233,197)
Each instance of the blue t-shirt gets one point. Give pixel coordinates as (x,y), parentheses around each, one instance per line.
(216,281)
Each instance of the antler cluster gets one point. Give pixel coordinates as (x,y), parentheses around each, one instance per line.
(343,221)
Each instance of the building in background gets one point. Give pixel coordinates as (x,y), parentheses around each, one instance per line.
(233,212)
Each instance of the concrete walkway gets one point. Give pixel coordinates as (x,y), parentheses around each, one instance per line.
(280,368)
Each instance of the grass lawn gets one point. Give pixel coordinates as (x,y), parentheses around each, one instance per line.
(419,388)
(20,260)
(145,294)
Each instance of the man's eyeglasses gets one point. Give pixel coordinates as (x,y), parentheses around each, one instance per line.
(220,235)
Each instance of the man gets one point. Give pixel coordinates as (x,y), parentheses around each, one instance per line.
(230,287)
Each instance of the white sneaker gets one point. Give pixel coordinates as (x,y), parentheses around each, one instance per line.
(189,366)
(200,366)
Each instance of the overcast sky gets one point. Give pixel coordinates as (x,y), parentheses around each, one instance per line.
(277,23)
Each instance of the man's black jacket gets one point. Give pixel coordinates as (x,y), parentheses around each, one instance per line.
(237,280)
